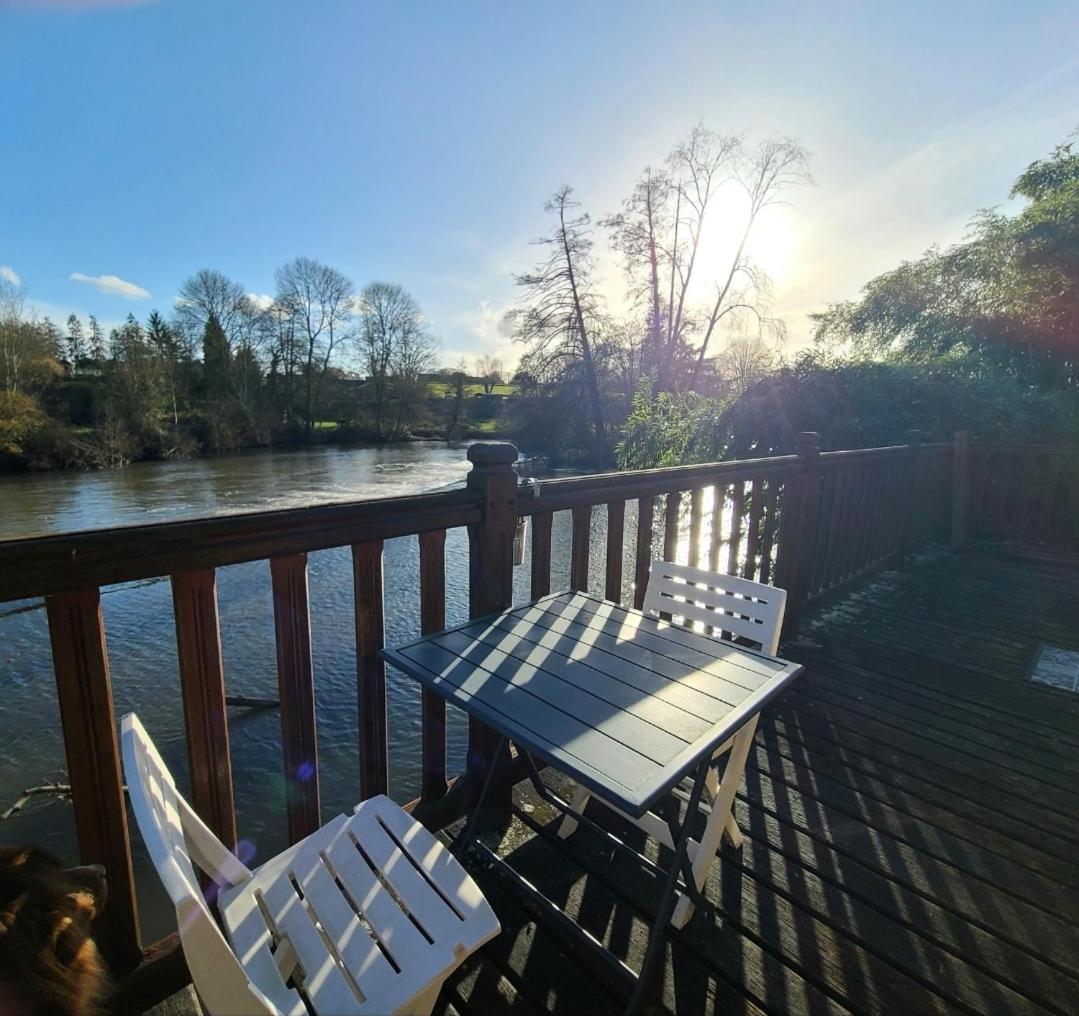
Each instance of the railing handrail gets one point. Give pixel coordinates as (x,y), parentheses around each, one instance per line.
(42,565)
(598,488)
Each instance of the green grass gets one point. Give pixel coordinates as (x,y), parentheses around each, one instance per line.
(444,389)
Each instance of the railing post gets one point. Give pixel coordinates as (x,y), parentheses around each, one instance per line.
(798,530)
(911,499)
(84,691)
(490,589)
(960,487)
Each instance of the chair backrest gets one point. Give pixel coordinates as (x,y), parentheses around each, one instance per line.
(749,610)
(178,841)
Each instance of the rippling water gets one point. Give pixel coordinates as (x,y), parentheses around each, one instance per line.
(141,638)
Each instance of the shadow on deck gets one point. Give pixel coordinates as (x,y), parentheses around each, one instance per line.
(910,812)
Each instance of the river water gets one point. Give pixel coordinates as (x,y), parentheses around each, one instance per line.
(141,637)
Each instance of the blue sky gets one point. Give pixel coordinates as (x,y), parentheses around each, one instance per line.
(417,142)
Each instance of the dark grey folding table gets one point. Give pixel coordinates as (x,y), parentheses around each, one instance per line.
(625,704)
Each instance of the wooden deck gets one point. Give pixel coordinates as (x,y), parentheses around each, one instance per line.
(911,813)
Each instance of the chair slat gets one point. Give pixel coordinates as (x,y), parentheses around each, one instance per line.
(324,982)
(395,931)
(730,603)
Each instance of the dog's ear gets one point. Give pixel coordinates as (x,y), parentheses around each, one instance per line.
(90,878)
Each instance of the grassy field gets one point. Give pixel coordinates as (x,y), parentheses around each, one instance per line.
(444,389)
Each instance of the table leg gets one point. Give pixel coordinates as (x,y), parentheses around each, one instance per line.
(465,835)
(670,891)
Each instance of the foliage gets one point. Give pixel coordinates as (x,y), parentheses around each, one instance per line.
(851,403)
(1010,291)
(20,418)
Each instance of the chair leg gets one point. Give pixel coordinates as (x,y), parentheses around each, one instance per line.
(733,833)
(568,825)
(719,820)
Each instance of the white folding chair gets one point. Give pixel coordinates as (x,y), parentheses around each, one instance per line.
(368,915)
(724,606)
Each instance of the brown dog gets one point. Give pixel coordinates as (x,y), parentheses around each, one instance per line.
(49,962)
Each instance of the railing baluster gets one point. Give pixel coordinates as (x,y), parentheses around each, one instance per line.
(371,671)
(771,505)
(84,691)
(616,524)
(696,507)
(643,553)
(296,691)
(715,540)
(202,684)
(579,550)
(753,539)
(432,705)
(737,504)
(670,525)
(541,554)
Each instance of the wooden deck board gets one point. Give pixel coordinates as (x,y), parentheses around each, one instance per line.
(911,812)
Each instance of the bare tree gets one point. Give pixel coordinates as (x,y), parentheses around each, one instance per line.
(390,321)
(765,173)
(209,293)
(490,371)
(319,300)
(659,233)
(560,307)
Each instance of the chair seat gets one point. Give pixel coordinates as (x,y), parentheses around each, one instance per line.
(363,916)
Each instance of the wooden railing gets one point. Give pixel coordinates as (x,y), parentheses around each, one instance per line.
(1025,492)
(810,522)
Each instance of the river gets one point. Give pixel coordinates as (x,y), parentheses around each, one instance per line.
(141,638)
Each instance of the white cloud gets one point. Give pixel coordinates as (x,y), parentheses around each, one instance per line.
(10,275)
(261,300)
(111,285)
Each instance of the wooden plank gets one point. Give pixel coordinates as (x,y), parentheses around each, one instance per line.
(696,510)
(42,565)
(616,524)
(541,554)
(643,553)
(202,685)
(370,669)
(737,507)
(84,692)
(296,692)
(581,545)
(432,706)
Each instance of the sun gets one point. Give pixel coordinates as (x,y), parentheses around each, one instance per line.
(771,244)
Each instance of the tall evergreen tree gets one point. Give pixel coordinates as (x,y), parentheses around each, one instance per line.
(76,341)
(97,341)
(215,359)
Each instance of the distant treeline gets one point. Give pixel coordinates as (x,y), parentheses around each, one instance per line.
(316,362)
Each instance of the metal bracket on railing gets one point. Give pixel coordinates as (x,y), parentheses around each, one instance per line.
(529,483)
